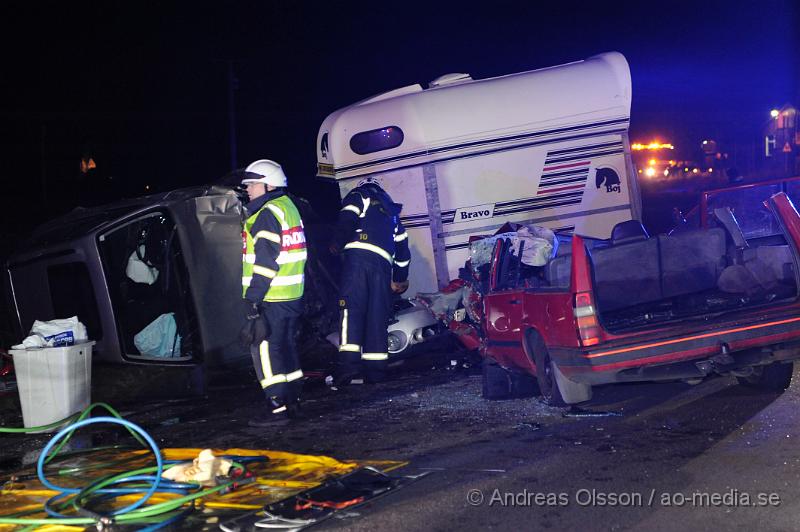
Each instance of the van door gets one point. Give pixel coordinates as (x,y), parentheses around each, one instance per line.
(148,285)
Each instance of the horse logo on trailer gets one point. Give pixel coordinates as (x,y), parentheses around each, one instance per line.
(608,177)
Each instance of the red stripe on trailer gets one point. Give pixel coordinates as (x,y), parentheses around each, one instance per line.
(549,190)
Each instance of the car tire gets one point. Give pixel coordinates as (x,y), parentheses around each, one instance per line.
(775,377)
(496,381)
(546,378)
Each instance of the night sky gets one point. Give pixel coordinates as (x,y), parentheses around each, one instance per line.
(144,86)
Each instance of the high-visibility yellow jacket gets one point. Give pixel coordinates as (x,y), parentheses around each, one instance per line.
(273,250)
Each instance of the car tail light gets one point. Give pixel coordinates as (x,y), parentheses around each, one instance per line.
(586,319)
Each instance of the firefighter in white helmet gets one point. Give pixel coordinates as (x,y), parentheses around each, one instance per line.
(273,263)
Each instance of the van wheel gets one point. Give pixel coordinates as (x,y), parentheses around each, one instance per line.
(496,381)
(774,377)
(545,377)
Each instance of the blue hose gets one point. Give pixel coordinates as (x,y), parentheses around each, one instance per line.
(117,421)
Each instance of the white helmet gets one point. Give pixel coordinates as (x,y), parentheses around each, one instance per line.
(270,173)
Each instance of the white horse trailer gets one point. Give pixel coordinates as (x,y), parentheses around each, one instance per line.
(547,147)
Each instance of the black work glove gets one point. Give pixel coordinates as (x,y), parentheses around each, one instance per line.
(254,328)
(253,311)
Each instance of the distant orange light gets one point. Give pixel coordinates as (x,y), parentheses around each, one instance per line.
(655,145)
(651,162)
(87,164)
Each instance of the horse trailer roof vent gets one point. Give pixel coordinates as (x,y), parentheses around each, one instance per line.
(449,79)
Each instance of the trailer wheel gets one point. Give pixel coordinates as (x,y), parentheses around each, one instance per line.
(775,377)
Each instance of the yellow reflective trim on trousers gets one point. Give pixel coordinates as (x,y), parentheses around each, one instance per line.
(352,208)
(351,348)
(273,237)
(275,379)
(402,236)
(293,376)
(374,356)
(369,247)
(402,263)
(266,272)
(266,365)
(344,328)
(279,378)
(279,409)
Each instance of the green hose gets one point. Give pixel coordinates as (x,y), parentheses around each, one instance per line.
(147,514)
(71,419)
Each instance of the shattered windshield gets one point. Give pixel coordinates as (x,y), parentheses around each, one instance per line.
(747,206)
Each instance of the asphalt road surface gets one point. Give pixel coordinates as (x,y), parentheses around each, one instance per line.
(714,456)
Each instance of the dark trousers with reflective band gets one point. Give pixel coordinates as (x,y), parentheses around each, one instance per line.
(365,304)
(275,359)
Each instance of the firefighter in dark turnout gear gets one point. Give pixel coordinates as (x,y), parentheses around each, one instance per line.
(376,258)
(273,263)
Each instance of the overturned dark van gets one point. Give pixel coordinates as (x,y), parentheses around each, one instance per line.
(151,278)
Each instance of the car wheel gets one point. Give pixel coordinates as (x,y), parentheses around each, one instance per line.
(545,377)
(496,381)
(774,377)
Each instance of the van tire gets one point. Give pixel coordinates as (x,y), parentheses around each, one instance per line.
(775,377)
(496,381)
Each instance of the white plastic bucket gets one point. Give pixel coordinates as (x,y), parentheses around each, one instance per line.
(53,382)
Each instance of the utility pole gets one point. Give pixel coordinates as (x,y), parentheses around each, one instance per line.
(43,141)
(232,86)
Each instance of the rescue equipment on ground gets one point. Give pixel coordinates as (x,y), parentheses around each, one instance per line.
(119,485)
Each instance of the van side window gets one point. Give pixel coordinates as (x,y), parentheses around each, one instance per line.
(376,140)
(73,295)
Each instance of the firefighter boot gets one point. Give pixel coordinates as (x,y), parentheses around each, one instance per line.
(278,414)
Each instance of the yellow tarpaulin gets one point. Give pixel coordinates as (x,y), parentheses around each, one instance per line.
(282,475)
